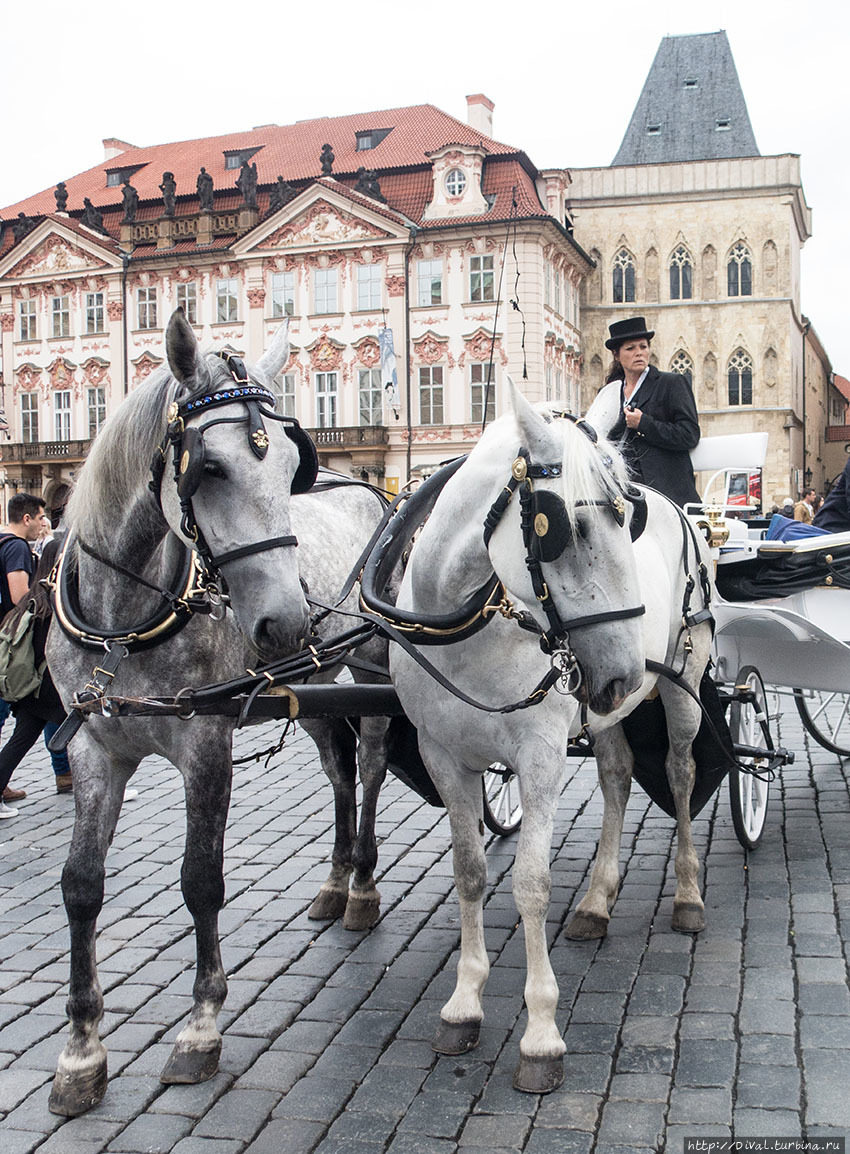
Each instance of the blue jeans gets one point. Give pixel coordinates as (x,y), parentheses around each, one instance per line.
(60,760)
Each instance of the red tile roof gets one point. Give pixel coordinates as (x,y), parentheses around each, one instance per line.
(291,150)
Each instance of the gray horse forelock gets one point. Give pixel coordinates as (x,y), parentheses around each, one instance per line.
(591,472)
(114,478)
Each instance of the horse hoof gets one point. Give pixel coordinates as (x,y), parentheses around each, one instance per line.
(186,1067)
(361,913)
(455,1037)
(538,1075)
(688,918)
(328,905)
(74,1094)
(584,927)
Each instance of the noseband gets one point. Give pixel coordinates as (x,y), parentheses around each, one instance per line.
(189,456)
(546,533)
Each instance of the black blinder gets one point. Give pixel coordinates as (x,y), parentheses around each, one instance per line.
(191,465)
(308,459)
(638,521)
(551,531)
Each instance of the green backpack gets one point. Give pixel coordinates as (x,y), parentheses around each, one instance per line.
(18,673)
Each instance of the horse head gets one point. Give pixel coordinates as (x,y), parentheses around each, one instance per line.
(236,464)
(566,549)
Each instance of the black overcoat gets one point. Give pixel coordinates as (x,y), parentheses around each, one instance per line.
(658,451)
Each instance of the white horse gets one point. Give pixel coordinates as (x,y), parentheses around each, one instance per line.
(590,584)
(127,572)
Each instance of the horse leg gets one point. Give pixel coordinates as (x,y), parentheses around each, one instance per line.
(81,1072)
(196,1052)
(337,744)
(364,901)
(682,724)
(541,1067)
(460,1017)
(614,762)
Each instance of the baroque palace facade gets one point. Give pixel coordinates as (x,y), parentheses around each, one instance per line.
(412,223)
(394,220)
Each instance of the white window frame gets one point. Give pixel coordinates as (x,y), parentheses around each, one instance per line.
(95,314)
(60,313)
(146,307)
(62,415)
(455,183)
(326,290)
(429,283)
(283,294)
(431,395)
(28,320)
(370,285)
(227,300)
(96,400)
(187,299)
(283,387)
(370,397)
(478,391)
(482,289)
(29,418)
(327,398)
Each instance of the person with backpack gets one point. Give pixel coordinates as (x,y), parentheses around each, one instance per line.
(42,706)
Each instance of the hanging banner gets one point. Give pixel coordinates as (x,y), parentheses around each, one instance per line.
(388,371)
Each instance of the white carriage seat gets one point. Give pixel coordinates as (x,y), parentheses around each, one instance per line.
(730,451)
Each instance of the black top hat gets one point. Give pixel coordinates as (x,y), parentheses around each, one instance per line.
(632,329)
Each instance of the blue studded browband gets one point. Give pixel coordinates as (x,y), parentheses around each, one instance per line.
(253,392)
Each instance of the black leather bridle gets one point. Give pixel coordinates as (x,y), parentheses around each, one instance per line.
(189,457)
(546,532)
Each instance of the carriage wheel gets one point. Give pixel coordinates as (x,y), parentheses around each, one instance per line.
(502,804)
(827,718)
(749,725)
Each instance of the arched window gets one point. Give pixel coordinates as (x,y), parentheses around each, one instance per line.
(624,277)
(681,275)
(739,272)
(740,375)
(683,364)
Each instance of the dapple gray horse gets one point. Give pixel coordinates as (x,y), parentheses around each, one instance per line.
(592,581)
(125,546)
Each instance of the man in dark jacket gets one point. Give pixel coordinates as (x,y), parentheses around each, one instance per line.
(659,425)
(834,513)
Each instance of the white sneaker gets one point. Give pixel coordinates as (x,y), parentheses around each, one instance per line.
(7,811)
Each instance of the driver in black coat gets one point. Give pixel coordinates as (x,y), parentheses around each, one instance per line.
(659,424)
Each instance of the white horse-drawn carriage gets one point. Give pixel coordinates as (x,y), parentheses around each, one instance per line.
(544,599)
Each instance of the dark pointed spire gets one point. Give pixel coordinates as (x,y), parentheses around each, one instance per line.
(691,106)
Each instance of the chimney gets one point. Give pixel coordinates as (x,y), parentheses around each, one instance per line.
(112,146)
(479,113)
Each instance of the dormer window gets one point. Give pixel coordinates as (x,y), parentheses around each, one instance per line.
(653,130)
(723,124)
(117,176)
(370,138)
(455,182)
(691,83)
(235,157)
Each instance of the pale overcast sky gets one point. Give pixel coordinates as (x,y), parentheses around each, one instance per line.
(564,78)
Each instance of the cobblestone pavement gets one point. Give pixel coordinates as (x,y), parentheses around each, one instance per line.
(326,1033)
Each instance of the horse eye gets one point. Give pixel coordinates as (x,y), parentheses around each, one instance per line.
(213,469)
(583,530)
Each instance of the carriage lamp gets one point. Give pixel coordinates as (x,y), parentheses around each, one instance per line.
(713,526)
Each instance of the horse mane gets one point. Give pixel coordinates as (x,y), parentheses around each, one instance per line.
(590,471)
(114,478)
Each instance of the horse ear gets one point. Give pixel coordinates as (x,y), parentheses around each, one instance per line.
(604,413)
(276,355)
(532,424)
(183,354)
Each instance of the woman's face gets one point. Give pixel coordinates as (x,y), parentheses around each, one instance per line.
(634,355)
